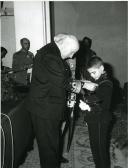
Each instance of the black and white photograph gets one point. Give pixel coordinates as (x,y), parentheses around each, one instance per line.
(64,84)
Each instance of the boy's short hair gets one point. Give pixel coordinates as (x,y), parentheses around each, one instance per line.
(95,62)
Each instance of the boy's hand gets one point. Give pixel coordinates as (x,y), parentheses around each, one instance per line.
(89,85)
(84,106)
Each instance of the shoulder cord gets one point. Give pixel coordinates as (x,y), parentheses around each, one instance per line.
(3,146)
(11,139)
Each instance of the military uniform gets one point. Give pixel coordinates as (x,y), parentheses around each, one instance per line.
(21,62)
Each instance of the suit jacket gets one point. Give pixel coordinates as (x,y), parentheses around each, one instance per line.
(47,97)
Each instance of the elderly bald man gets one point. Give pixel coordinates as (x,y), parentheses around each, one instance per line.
(46,101)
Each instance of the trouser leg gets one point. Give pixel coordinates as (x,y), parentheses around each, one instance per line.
(98,134)
(47,135)
(32,136)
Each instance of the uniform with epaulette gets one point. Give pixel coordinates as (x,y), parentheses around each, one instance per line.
(21,62)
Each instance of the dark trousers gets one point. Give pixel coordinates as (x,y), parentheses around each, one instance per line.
(99,143)
(47,135)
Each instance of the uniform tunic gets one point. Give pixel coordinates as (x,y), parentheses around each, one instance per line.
(21,62)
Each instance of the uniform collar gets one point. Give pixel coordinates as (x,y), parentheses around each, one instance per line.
(103,77)
(22,50)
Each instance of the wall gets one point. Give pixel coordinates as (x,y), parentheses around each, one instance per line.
(30,20)
(29,23)
(104,22)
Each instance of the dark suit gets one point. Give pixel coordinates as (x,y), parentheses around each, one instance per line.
(47,102)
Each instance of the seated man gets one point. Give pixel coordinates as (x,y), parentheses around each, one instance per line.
(3,54)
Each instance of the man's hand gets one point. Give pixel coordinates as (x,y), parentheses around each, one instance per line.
(84,106)
(29,70)
(89,85)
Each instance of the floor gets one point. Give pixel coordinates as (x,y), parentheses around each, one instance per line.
(80,154)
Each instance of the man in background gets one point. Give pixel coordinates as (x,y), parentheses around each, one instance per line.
(82,57)
(22,63)
(22,69)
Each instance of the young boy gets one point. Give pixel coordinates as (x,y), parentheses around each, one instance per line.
(96,106)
